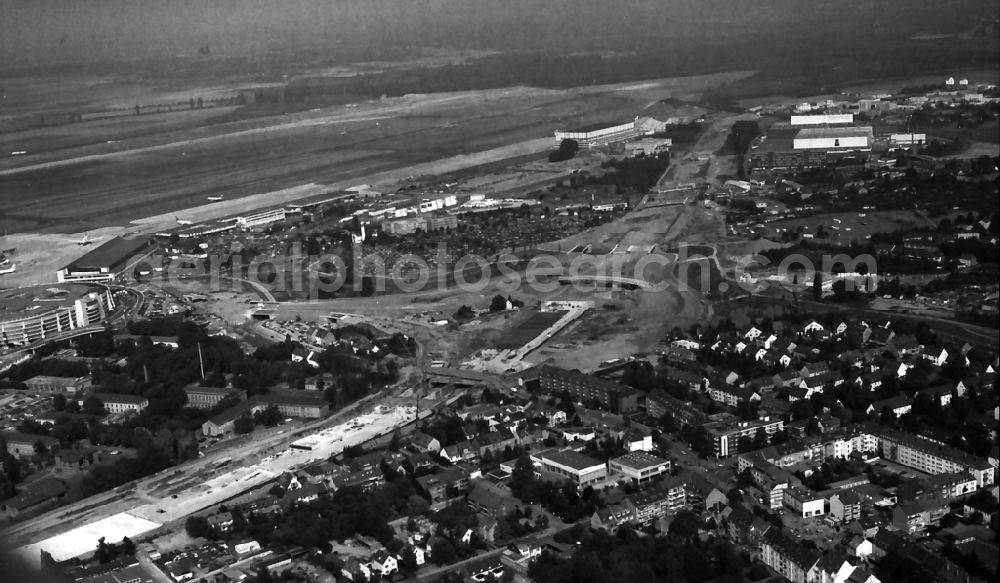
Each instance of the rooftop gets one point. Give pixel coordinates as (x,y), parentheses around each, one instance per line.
(568,458)
(639,460)
(109,254)
(23,301)
(120,398)
(837,132)
(593,127)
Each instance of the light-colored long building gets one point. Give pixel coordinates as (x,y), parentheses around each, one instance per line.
(822,119)
(581,469)
(601,134)
(262,218)
(933,458)
(836,138)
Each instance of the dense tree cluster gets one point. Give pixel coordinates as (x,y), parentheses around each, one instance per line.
(563,500)
(626,557)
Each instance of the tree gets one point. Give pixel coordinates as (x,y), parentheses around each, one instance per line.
(196,526)
(686,524)
(93,406)
(818,286)
(443,552)
(105,551)
(464,313)
(498,303)
(59,401)
(567,149)
(269,417)
(243,424)
(128,547)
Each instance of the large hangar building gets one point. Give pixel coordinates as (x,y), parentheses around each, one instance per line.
(104,263)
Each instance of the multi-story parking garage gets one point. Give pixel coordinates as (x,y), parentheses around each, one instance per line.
(33,313)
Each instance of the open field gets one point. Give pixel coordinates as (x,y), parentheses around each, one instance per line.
(163,173)
(852,227)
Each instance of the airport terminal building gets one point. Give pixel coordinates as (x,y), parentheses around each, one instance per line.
(34,313)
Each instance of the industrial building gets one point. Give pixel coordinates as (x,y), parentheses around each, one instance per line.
(34,313)
(50,384)
(648,146)
(290,403)
(104,263)
(909,139)
(23,444)
(795,148)
(208,397)
(830,138)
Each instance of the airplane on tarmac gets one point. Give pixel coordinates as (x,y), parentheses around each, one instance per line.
(215,198)
(181,221)
(84,241)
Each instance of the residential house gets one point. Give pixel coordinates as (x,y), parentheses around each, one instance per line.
(905,345)
(913,518)
(305,355)
(936,355)
(899,405)
(939,395)
(745,527)
(812,326)
(732,395)
(858,546)
(845,506)
(424,442)
(789,558)
(485,500)
(384,563)
(464,451)
(611,517)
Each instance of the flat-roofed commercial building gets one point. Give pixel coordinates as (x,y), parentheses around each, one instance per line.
(105,262)
(583,470)
(639,466)
(50,384)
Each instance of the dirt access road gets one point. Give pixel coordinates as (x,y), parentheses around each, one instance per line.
(702,163)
